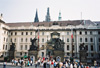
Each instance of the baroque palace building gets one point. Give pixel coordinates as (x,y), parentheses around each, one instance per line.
(84,31)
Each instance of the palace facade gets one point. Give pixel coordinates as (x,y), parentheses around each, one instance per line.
(84,31)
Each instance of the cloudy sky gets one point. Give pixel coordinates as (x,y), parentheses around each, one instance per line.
(24,10)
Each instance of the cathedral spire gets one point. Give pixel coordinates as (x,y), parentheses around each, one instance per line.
(59,18)
(47,16)
(36,17)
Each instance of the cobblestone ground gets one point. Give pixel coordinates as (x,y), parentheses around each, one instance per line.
(9,66)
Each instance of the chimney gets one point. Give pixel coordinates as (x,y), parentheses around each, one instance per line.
(1,16)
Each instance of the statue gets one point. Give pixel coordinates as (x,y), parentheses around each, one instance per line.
(82,47)
(12,47)
(33,45)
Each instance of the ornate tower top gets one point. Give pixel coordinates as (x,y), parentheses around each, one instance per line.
(59,18)
(1,16)
(47,16)
(36,17)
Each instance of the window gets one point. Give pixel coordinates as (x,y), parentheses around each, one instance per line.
(90,32)
(68,54)
(99,39)
(30,33)
(73,39)
(25,53)
(85,32)
(21,47)
(86,40)
(21,39)
(73,47)
(91,39)
(87,47)
(67,33)
(26,33)
(42,33)
(11,39)
(7,33)
(67,47)
(15,40)
(80,39)
(43,46)
(26,39)
(6,47)
(22,33)
(7,40)
(80,33)
(20,53)
(42,39)
(86,54)
(99,47)
(11,33)
(99,32)
(91,47)
(25,47)
(3,47)
(4,38)
(67,39)
(91,54)
(15,33)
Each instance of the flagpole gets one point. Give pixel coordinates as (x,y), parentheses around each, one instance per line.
(72,41)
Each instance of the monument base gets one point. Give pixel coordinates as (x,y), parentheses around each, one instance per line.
(33,53)
(83,56)
(60,54)
(12,55)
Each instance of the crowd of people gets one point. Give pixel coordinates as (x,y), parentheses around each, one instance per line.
(51,63)
(48,62)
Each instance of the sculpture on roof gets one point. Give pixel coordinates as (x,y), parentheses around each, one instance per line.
(12,47)
(33,44)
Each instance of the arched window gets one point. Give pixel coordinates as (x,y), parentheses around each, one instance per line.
(67,47)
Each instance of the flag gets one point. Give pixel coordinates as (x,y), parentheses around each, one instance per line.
(38,34)
(72,33)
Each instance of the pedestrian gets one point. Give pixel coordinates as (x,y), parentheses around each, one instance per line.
(54,64)
(4,64)
(71,65)
(31,62)
(12,61)
(44,64)
(35,64)
(95,64)
(66,65)
(82,65)
(28,63)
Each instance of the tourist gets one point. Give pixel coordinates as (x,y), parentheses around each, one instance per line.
(81,65)
(71,65)
(4,64)
(12,61)
(35,64)
(28,63)
(54,64)
(66,65)
(44,65)
(31,62)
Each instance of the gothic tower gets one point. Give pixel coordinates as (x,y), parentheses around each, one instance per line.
(36,17)
(59,18)
(47,16)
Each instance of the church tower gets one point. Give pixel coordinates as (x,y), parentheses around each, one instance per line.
(59,18)
(36,17)
(47,16)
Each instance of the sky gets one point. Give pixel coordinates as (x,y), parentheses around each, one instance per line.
(24,10)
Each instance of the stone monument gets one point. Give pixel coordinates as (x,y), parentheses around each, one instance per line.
(12,51)
(55,46)
(33,51)
(82,53)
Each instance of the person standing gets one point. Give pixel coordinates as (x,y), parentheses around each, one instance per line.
(4,64)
